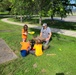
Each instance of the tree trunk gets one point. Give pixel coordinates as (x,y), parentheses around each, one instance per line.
(61,17)
(40,20)
(21,18)
(52,17)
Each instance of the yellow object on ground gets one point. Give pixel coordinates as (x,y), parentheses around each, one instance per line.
(31,32)
(60,49)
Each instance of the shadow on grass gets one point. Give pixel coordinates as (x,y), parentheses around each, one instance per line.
(26,19)
(5,16)
(54,23)
(2,16)
(60,24)
(59,73)
(51,23)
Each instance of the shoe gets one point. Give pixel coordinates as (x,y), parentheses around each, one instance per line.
(46,47)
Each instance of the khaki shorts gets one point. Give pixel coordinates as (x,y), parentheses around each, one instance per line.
(40,38)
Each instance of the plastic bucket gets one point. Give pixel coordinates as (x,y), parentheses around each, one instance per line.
(23,53)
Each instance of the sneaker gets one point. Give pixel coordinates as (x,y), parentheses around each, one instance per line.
(46,47)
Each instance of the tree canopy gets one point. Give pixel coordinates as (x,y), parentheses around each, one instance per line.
(37,7)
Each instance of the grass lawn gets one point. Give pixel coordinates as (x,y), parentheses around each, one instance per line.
(4,13)
(59,59)
(53,24)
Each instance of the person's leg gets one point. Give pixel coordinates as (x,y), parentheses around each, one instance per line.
(45,45)
(23,53)
(24,40)
(32,52)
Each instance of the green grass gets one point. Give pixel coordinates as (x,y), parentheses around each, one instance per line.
(61,24)
(64,62)
(4,13)
(53,24)
(26,20)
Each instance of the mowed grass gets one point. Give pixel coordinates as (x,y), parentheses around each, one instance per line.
(59,59)
(53,24)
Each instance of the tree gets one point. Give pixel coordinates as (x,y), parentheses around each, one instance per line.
(21,7)
(51,8)
(41,8)
(58,7)
(4,5)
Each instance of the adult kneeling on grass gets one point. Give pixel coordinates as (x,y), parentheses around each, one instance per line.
(46,33)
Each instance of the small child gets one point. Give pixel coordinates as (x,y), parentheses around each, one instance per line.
(25,47)
(37,48)
(24,33)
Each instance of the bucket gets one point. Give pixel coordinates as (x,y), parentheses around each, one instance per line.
(23,53)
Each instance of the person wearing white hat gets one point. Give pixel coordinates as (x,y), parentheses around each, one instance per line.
(46,33)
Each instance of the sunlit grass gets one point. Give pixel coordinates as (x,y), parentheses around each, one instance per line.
(4,13)
(59,58)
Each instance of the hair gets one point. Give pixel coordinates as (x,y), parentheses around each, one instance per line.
(32,42)
(38,41)
(25,27)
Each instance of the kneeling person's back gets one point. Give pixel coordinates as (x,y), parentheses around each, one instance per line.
(25,45)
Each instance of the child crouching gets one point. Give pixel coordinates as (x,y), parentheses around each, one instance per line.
(37,48)
(25,48)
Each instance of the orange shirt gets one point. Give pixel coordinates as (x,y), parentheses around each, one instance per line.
(38,49)
(25,45)
(23,35)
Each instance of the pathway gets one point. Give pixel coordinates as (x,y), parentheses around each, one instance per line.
(68,18)
(55,30)
(6,53)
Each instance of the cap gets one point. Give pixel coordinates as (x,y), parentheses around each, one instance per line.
(45,24)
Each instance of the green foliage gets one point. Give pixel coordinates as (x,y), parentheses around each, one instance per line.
(39,7)
(21,7)
(58,7)
(50,12)
(12,1)
(17,7)
(1,0)
(4,5)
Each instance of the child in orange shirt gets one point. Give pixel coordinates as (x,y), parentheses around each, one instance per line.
(24,32)
(25,48)
(37,48)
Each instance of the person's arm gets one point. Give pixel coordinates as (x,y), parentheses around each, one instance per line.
(24,32)
(50,34)
(41,33)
